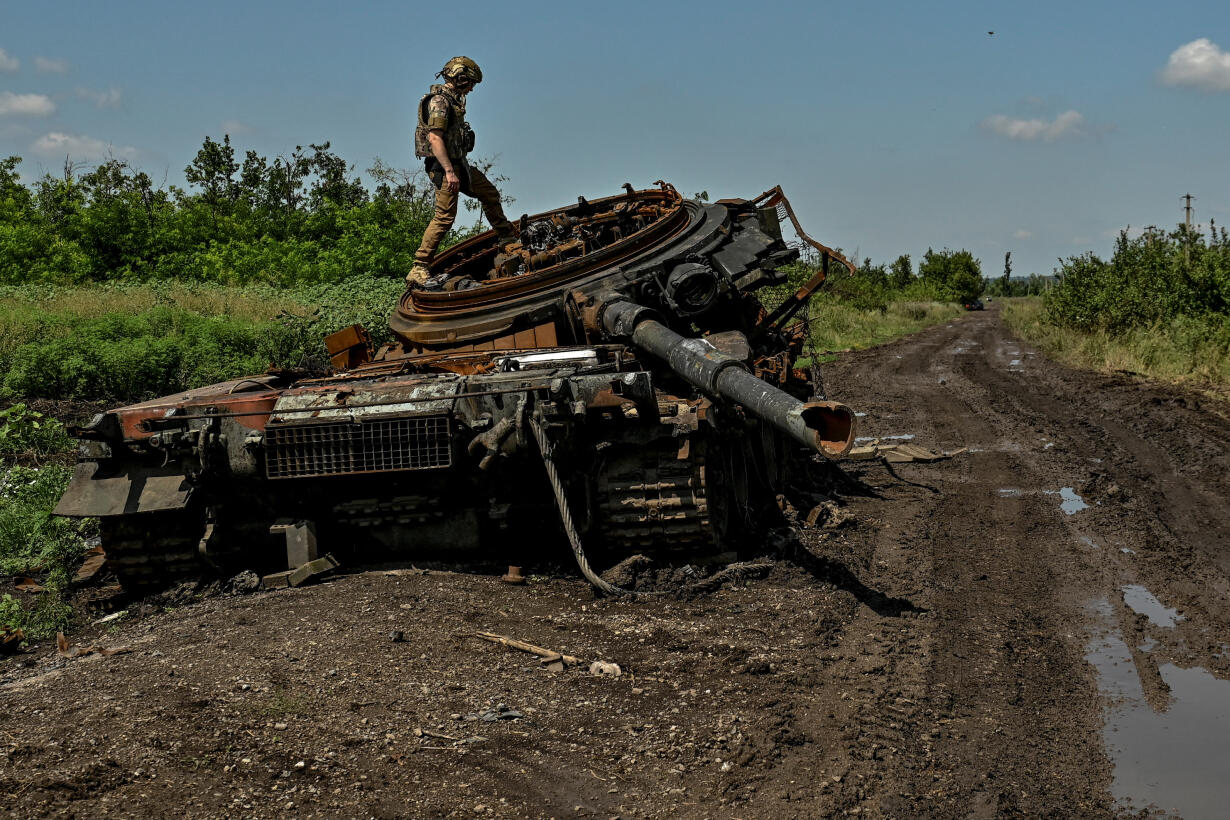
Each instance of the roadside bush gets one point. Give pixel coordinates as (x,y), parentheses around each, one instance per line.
(1150,279)
(25,432)
(163,350)
(33,542)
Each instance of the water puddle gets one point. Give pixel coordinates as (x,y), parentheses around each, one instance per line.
(1089,542)
(1174,760)
(1046,445)
(1143,602)
(859,413)
(1009,492)
(1127,550)
(1014,363)
(1069,502)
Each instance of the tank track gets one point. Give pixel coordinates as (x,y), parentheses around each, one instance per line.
(152,551)
(653,499)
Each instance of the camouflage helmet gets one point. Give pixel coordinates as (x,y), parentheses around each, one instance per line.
(462,67)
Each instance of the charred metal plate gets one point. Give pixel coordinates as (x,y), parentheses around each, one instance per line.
(136,490)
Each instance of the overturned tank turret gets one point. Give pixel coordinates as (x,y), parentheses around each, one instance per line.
(614,371)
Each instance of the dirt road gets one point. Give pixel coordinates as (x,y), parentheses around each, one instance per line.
(975,644)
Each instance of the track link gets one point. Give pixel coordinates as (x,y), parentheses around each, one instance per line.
(152,551)
(652,498)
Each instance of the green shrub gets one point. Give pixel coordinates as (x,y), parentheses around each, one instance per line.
(26,432)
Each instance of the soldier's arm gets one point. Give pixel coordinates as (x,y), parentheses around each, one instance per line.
(435,138)
(437,120)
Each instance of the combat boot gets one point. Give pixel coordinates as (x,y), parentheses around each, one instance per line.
(418,275)
(504,239)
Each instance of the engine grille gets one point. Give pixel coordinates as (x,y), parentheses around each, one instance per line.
(370,446)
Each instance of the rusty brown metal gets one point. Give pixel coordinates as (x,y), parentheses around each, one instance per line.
(775,197)
(349,347)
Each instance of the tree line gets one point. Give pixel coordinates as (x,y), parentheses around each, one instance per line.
(296,219)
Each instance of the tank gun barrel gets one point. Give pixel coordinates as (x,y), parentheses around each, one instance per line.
(824,426)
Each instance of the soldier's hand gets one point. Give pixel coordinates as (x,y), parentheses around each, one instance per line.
(452,181)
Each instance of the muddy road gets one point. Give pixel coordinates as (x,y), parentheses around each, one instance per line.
(1038,626)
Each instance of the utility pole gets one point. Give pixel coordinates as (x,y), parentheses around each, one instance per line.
(1187,234)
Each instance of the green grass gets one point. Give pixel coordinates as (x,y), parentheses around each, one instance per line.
(839,326)
(1190,351)
(124,342)
(32,541)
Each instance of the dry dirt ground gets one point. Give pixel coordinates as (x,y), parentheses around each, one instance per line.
(931,663)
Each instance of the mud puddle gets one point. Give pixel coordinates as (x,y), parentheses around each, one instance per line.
(1069,501)
(1143,602)
(1173,760)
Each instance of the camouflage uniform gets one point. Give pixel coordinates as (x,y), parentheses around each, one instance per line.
(441,108)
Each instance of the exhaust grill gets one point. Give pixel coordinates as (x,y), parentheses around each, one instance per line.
(375,446)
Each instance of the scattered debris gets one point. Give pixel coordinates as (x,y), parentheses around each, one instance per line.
(114,616)
(244,583)
(602,668)
(303,573)
(827,515)
(64,650)
(27,585)
(554,661)
(11,639)
(429,733)
(899,453)
(95,558)
(498,712)
(741,571)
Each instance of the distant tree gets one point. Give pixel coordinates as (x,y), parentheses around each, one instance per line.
(956,275)
(213,170)
(901,272)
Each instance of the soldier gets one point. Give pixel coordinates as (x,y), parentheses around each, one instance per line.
(443,138)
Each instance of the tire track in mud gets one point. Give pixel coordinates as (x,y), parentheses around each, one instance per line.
(1015,713)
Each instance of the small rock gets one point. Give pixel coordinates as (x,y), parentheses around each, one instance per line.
(397,636)
(602,668)
(279,726)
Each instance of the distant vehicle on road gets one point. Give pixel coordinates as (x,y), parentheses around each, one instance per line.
(973,304)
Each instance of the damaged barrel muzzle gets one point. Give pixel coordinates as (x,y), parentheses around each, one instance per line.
(824,426)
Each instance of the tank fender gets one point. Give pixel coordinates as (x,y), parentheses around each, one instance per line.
(136,489)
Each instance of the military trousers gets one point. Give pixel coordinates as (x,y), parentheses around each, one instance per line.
(474,183)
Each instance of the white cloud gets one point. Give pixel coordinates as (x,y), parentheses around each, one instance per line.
(1200,64)
(235,127)
(26,105)
(57,145)
(8,63)
(111,98)
(1068,124)
(50,65)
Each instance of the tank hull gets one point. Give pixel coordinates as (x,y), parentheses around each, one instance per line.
(433,447)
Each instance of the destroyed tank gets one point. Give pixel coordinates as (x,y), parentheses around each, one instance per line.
(611,382)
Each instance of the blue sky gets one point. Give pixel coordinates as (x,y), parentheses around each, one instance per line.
(892,126)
